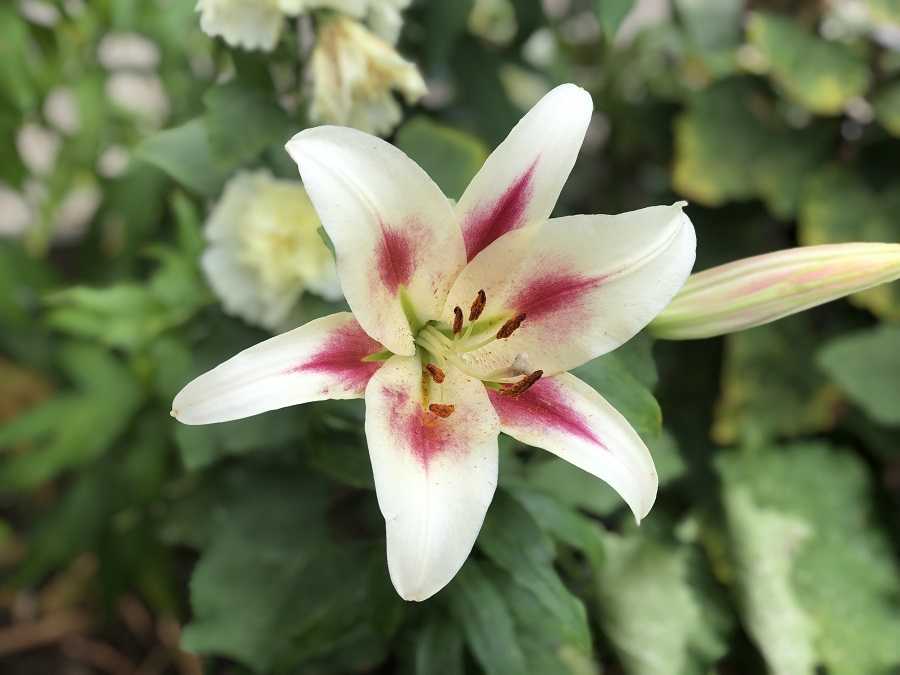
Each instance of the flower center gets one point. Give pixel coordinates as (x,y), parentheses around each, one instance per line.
(447,346)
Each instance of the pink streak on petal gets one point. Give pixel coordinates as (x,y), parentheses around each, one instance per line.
(395,258)
(424,433)
(341,357)
(552,292)
(485,224)
(543,406)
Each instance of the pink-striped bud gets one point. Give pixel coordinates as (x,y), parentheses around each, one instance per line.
(761,289)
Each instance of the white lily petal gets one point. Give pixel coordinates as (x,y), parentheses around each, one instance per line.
(567,417)
(319,360)
(586,285)
(393,230)
(434,476)
(521,180)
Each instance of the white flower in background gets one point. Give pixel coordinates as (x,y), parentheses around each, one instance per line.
(493,20)
(355,74)
(141,94)
(127,50)
(38,148)
(257,24)
(543,295)
(113,161)
(265,250)
(15,212)
(251,24)
(61,110)
(66,220)
(386,19)
(76,210)
(39,12)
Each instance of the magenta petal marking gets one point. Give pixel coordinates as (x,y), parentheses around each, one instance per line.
(395,258)
(424,433)
(342,357)
(543,406)
(485,224)
(551,293)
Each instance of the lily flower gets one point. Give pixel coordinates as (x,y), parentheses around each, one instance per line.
(465,319)
(764,288)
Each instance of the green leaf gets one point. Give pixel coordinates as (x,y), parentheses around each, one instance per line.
(804,512)
(565,524)
(552,623)
(726,151)
(125,315)
(655,616)
(242,120)
(131,315)
(84,514)
(611,13)
(819,75)
(15,81)
(887,107)
(716,142)
(611,378)
(712,24)
(450,157)
(201,446)
(779,625)
(341,458)
(637,356)
(578,489)
(839,206)
(275,589)
(478,606)
(75,427)
(866,365)
(439,647)
(771,386)
(185,154)
(446,23)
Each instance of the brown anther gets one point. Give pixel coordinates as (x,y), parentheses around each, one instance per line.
(436,373)
(457,320)
(477,305)
(442,409)
(510,326)
(523,385)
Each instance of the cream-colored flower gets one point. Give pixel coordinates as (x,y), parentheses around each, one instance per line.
(384,17)
(355,75)
(251,24)
(257,24)
(265,250)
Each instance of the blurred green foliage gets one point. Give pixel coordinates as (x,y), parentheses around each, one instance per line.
(774,543)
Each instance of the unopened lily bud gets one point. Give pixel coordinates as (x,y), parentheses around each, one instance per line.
(355,74)
(761,289)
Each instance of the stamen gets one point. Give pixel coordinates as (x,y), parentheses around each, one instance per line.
(457,320)
(436,373)
(442,409)
(523,385)
(510,326)
(477,305)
